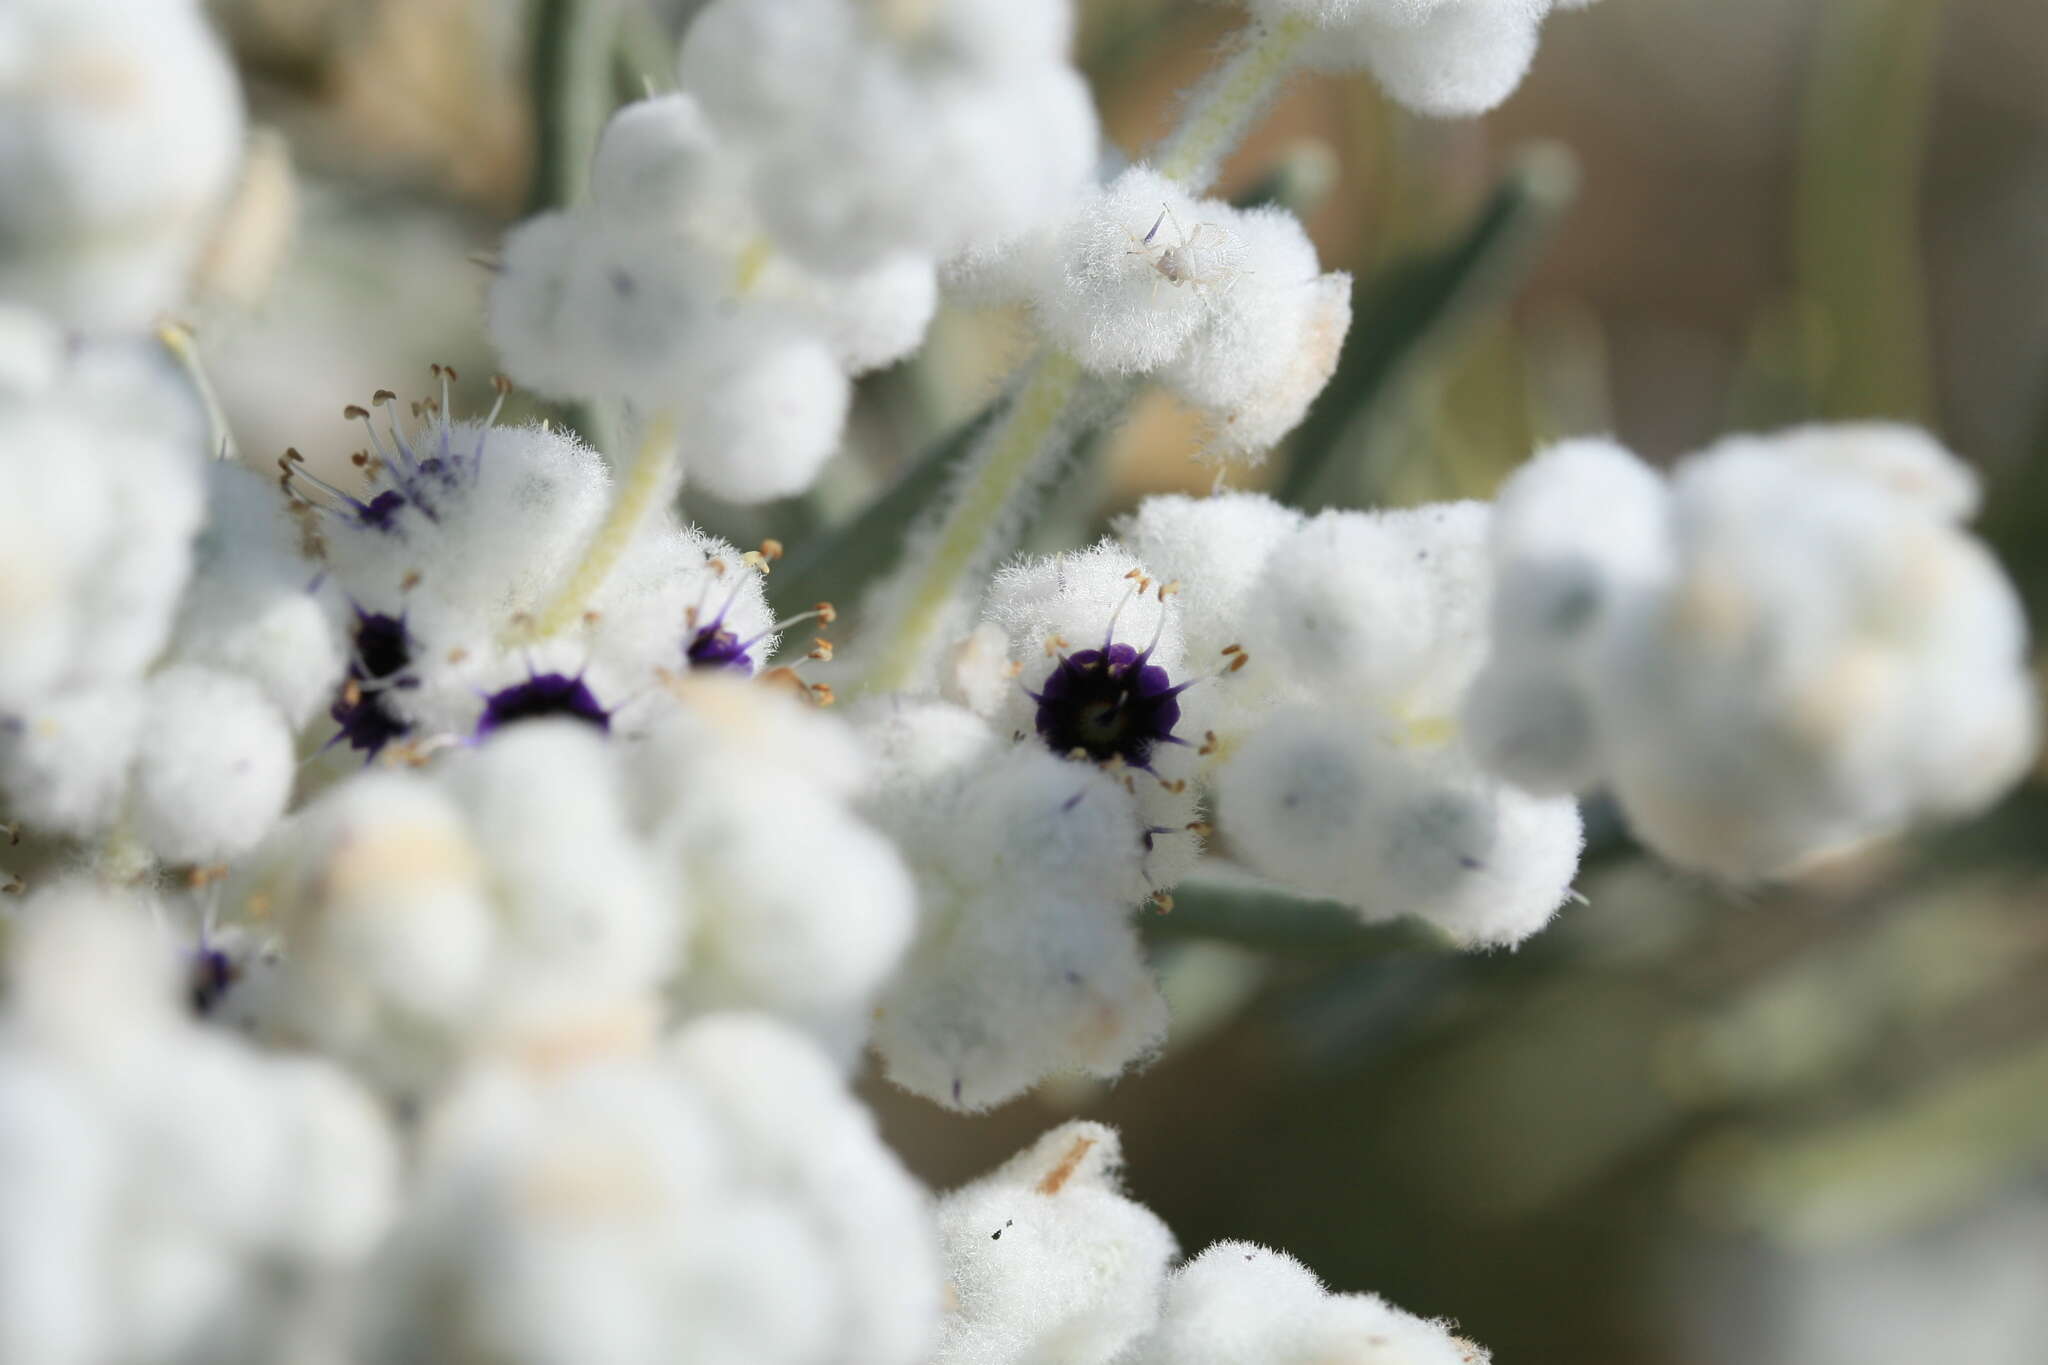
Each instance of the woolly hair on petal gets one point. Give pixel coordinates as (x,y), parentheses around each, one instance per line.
(1073,596)
(1237,1302)
(1135,272)
(795,1130)
(1320,803)
(1388,605)
(213,765)
(1458,59)
(1047,1258)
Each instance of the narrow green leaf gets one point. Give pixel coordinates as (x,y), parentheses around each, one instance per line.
(1418,306)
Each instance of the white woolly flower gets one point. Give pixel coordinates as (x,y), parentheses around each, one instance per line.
(1789,652)
(504,905)
(1334,757)
(1237,1302)
(1048,1260)
(1027,867)
(165,1193)
(665,291)
(120,131)
(798,906)
(465,534)
(723,1201)
(868,130)
(102,466)
(1446,58)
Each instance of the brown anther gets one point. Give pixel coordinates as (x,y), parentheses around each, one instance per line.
(717,565)
(1054,644)
(1167,590)
(1239,662)
(827,613)
(449,371)
(822,694)
(355,410)
(291,453)
(1135,573)
(1209,744)
(361,459)
(457,655)
(1056,1179)
(1228,650)
(1013,669)
(591,618)
(1201,829)
(1162,902)
(351,693)
(522,619)
(771,549)
(434,369)
(199,878)
(410,581)
(689,618)
(821,650)
(501,385)
(1177,786)
(383,396)
(417,410)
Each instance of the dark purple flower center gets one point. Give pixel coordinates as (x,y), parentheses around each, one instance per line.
(208,974)
(381,512)
(540,696)
(1109,703)
(383,651)
(716,646)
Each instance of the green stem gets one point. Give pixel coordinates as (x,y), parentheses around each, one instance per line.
(1224,105)
(570,71)
(649,485)
(1023,441)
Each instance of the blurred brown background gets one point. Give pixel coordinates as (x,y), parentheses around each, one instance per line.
(1688,1125)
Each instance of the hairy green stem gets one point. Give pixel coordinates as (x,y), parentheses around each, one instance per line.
(1223,106)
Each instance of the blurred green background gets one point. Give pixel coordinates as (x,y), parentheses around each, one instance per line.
(1690,1124)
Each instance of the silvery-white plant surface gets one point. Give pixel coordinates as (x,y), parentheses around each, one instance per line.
(456,892)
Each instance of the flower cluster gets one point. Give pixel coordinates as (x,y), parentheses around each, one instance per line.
(1785,649)
(455,934)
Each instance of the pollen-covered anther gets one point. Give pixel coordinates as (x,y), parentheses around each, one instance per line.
(1162,902)
(1210,744)
(1201,829)
(822,694)
(821,650)
(1054,644)
(199,878)
(757,561)
(827,613)
(771,549)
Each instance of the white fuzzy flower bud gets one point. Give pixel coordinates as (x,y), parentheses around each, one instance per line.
(1215,548)
(168,1194)
(1238,1302)
(935,128)
(1272,342)
(1446,58)
(1394,825)
(119,137)
(1048,1260)
(685,1207)
(213,765)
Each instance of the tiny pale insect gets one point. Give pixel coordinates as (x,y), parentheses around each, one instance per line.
(1200,258)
